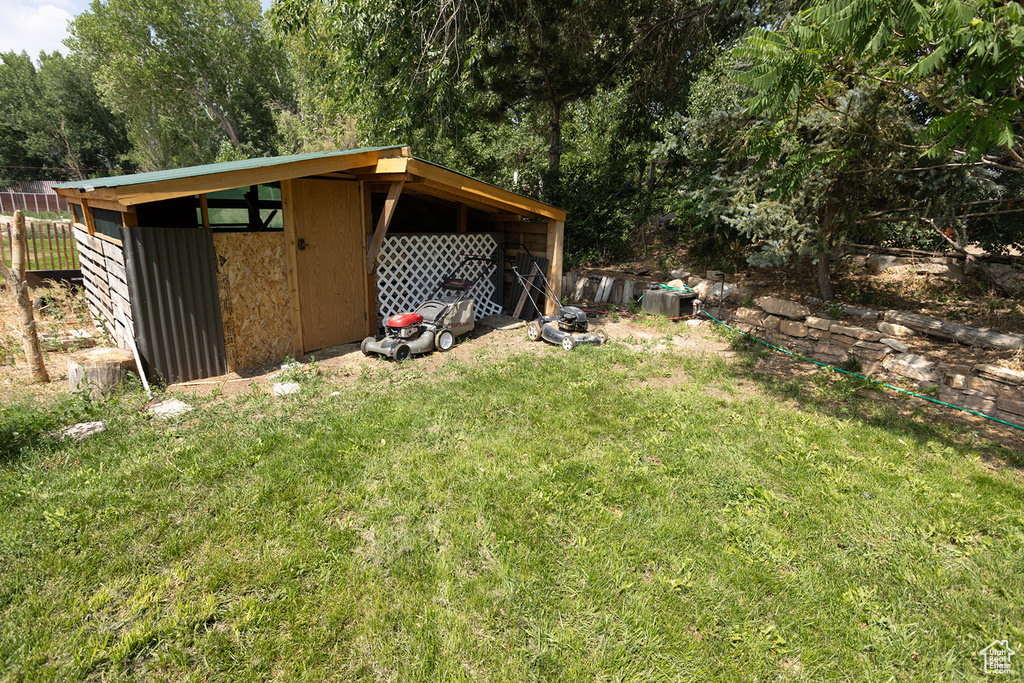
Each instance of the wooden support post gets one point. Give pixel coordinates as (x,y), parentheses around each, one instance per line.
(462,217)
(15,277)
(556,234)
(382,225)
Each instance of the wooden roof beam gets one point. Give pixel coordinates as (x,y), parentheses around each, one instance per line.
(435,176)
(215,182)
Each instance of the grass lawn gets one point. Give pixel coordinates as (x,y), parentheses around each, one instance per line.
(603,515)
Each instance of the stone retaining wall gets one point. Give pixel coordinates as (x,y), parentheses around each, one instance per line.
(879,341)
(879,347)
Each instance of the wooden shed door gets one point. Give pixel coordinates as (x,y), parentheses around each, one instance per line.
(330,262)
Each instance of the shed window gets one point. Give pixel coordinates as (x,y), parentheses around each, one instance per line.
(108,223)
(256,208)
(79,216)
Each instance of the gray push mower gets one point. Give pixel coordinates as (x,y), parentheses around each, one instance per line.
(568,327)
(437,322)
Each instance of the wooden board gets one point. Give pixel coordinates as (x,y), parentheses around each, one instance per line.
(253,291)
(331,268)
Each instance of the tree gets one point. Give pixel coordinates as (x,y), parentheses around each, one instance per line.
(963,60)
(194,78)
(801,187)
(53,124)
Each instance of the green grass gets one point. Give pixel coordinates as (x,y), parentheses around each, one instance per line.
(564,517)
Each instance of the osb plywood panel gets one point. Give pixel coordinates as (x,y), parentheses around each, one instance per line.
(251,279)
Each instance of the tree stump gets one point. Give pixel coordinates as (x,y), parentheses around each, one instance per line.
(99,371)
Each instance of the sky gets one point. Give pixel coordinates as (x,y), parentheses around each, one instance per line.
(41,26)
(36,26)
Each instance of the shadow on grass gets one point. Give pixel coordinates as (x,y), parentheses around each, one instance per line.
(829,392)
(27,424)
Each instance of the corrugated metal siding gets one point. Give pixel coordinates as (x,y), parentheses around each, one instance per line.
(173,281)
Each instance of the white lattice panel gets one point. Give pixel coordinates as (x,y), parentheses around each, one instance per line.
(409,268)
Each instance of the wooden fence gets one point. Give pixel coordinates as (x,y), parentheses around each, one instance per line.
(32,201)
(50,245)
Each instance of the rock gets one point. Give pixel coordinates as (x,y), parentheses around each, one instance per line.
(771,323)
(870,350)
(1002,374)
(896,346)
(715,275)
(761,283)
(286,388)
(879,263)
(172,407)
(965,334)
(817,323)
(749,316)
(82,430)
(677,284)
(680,274)
(856,332)
(793,328)
(869,313)
(946,272)
(784,308)
(895,330)
(912,366)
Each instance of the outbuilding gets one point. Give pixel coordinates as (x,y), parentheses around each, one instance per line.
(222,267)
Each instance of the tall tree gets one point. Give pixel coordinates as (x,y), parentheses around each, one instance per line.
(52,122)
(195,78)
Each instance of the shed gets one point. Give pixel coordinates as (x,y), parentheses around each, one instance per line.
(217,268)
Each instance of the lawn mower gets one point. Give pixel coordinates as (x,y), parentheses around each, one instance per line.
(567,328)
(437,321)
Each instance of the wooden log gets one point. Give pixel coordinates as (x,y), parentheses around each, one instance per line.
(99,371)
(18,286)
(965,334)
(581,284)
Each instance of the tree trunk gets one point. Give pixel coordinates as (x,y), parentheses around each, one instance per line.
(15,277)
(822,270)
(555,146)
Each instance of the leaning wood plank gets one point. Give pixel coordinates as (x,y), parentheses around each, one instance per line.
(965,334)
(382,225)
(18,286)
(526,290)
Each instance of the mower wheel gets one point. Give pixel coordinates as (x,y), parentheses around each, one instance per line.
(602,337)
(533,330)
(569,343)
(444,340)
(401,352)
(362,347)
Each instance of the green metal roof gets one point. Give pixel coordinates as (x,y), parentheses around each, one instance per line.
(209,169)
